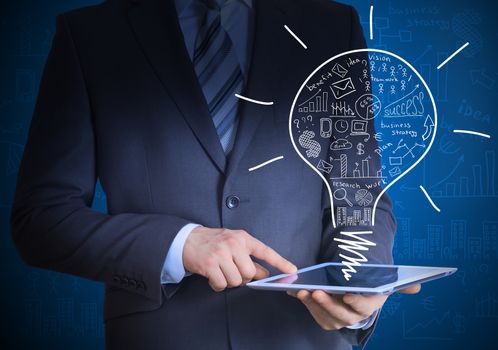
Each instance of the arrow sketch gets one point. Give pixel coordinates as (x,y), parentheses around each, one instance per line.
(429,126)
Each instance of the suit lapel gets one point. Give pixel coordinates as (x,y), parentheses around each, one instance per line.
(157,30)
(270,61)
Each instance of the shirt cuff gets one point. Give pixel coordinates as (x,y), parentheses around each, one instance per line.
(173,269)
(367,323)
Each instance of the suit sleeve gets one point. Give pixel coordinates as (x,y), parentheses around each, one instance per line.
(385,224)
(52,223)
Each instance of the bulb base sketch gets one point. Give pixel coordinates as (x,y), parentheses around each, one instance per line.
(362,120)
(354,246)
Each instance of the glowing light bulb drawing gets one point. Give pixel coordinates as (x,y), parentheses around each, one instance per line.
(362,120)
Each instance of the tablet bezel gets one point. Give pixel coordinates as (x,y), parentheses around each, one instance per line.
(435,273)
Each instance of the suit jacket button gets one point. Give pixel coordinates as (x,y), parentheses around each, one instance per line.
(232,202)
(132,283)
(116,279)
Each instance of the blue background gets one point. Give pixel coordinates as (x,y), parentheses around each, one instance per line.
(51,310)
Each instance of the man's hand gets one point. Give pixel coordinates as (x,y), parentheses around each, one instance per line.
(333,312)
(224,257)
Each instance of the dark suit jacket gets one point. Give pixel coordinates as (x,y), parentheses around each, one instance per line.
(119,102)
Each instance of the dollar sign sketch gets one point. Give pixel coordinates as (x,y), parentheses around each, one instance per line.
(313,147)
(360,148)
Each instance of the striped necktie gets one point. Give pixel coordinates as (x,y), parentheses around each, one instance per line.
(220,76)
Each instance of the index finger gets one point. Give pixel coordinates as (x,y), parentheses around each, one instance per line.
(261,251)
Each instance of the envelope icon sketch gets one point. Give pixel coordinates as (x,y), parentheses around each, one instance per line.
(339,70)
(342,88)
(324,166)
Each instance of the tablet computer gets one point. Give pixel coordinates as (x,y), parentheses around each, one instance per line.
(370,279)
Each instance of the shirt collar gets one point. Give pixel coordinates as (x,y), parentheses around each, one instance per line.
(181,5)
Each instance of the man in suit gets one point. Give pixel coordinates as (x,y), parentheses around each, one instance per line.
(140,94)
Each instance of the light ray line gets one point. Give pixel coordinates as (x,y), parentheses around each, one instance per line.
(453,55)
(253,101)
(472,133)
(266,163)
(296,37)
(371,22)
(430,199)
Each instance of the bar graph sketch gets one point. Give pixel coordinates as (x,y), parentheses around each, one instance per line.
(487,306)
(341,109)
(317,103)
(481,182)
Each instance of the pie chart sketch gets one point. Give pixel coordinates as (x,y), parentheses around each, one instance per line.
(363,197)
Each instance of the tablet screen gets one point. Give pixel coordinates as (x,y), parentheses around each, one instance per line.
(365,277)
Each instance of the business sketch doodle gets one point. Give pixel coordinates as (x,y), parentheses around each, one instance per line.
(362,120)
